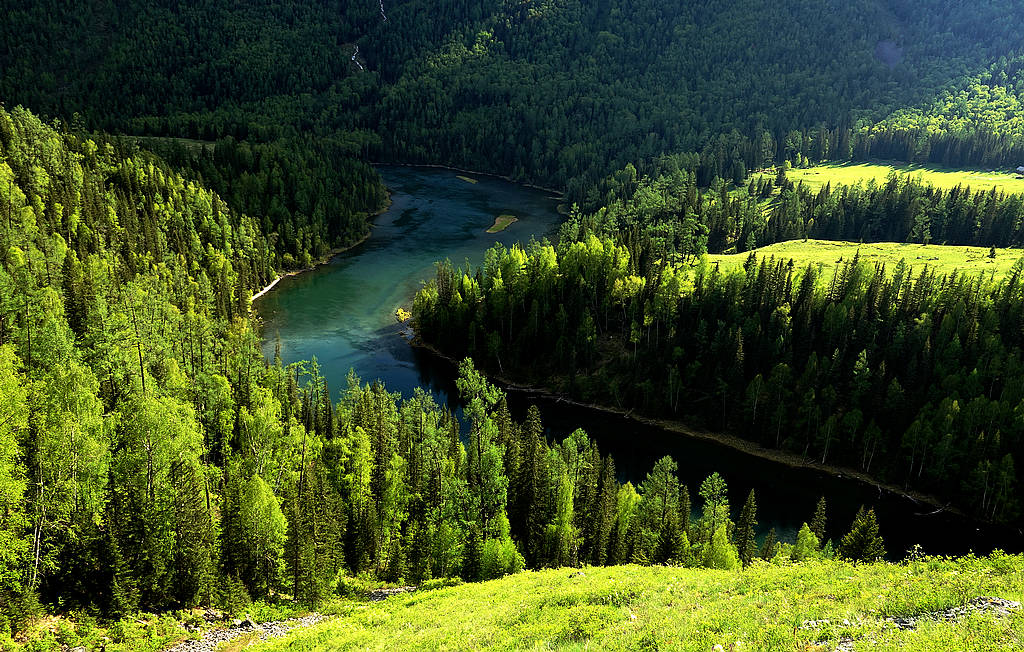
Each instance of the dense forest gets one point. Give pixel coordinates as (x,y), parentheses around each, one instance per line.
(150,458)
(672,213)
(908,375)
(312,197)
(557,93)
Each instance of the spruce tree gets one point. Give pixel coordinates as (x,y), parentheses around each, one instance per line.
(685,507)
(673,546)
(768,548)
(818,523)
(746,539)
(719,553)
(863,543)
(472,557)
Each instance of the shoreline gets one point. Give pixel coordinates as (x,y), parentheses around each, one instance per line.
(326,259)
(728,440)
(438,166)
(387,205)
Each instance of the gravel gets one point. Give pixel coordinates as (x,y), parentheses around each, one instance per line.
(994,606)
(997,607)
(274,629)
(382,594)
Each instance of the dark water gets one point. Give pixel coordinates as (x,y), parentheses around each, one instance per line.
(343,314)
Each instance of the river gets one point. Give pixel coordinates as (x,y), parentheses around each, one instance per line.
(342,313)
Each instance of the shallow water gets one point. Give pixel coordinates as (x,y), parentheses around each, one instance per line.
(343,313)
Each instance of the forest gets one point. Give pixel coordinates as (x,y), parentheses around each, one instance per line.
(161,162)
(494,86)
(914,378)
(152,459)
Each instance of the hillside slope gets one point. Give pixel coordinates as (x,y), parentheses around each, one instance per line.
(561,92)
(663,608)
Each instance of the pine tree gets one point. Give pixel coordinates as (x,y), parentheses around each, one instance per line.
(673,546)
(768,547)
(715,494)
(863,543)
(818,523)
(746,537)
(606,511)
(685,507)
(472,557)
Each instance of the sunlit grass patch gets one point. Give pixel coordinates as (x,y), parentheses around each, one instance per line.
(501,223)
(830,254)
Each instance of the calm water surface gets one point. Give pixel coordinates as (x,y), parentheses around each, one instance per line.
(342,314)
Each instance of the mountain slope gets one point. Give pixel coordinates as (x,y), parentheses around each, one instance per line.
(559,91)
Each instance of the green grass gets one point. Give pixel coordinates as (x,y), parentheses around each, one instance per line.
(829,254)
(852,173)
(501,223)
(662,608)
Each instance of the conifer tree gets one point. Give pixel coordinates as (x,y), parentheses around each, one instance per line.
(13,523)
(862,542)
(719,553)
(818,522)
(472,557)
(685,509)
(746,536)
(806,545)
(768,548)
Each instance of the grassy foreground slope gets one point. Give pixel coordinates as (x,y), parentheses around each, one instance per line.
(633,607)
(828,253)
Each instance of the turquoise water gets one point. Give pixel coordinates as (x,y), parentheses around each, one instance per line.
(343,313)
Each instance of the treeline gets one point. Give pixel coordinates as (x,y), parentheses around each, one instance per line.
(671,214)
(976,125)
(911,376)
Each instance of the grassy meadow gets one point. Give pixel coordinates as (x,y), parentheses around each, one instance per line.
(852,173)
(829,254)
(665,608)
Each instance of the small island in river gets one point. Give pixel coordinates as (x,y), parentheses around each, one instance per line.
(501,223)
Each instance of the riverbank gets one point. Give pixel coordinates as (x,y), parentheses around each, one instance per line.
(728,440)
(435,166)
(326,259)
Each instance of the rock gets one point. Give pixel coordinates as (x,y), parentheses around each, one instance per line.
(78,649)
(214,638)
(578,574)
(211,615)
(380,594)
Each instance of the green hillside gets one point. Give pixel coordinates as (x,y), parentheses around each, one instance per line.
(764,607)
(829,254)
